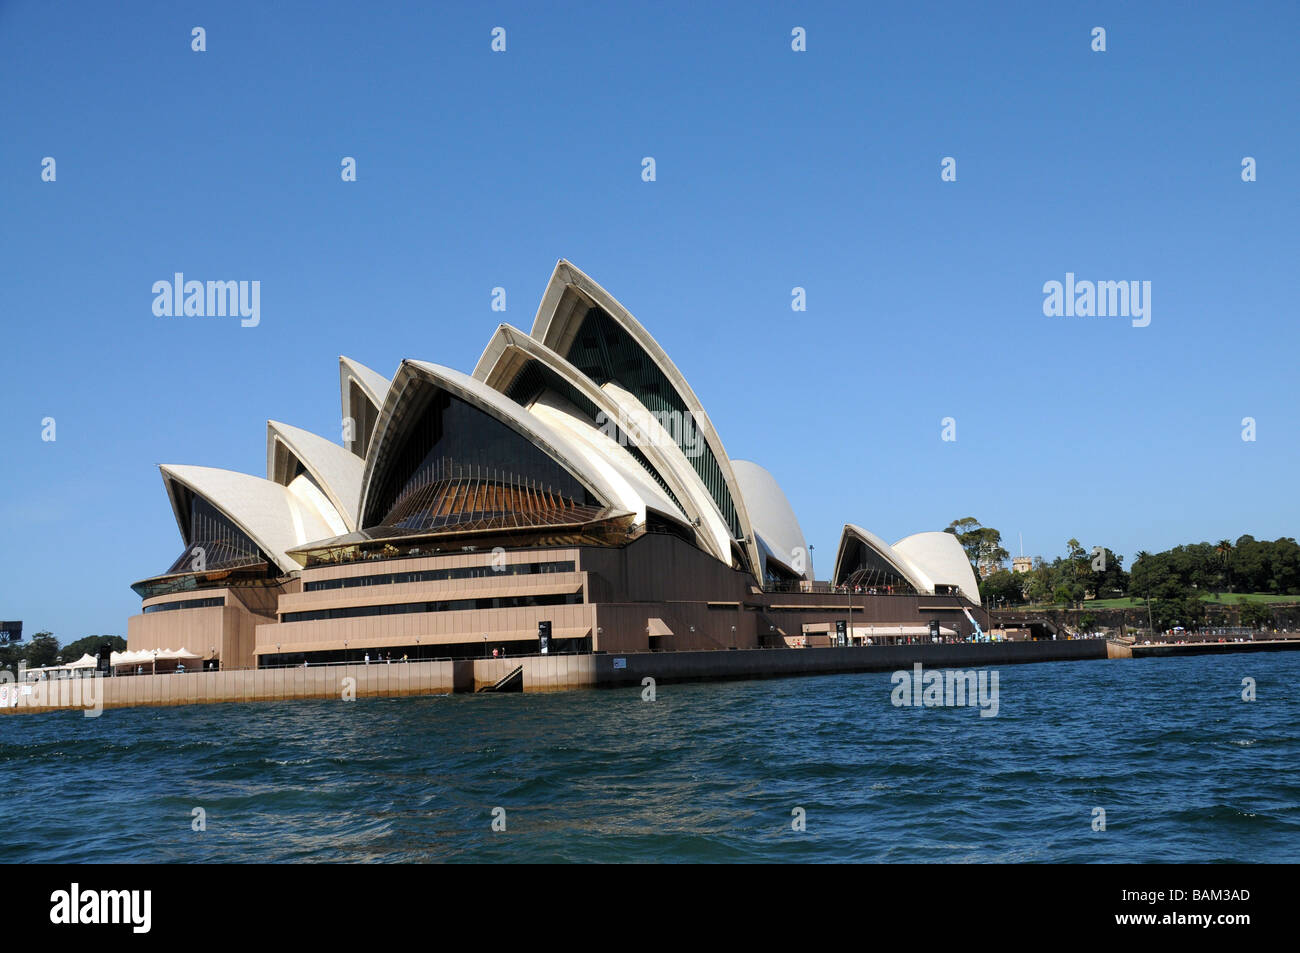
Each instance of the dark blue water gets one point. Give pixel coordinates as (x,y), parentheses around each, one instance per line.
(1184,769)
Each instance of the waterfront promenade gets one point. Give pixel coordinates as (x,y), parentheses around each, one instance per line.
(1166,649)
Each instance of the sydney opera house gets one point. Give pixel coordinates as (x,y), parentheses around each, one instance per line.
(569,495)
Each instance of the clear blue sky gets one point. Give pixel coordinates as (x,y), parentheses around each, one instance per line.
(775,169)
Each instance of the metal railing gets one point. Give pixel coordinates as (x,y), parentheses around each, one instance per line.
(1214,634)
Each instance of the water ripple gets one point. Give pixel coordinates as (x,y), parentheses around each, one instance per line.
(1183,768)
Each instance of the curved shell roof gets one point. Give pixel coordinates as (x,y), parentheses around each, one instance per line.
(636,491)
(712,527)
(335,469)
(941,558)
(373,388)
(925,560)
(270,515)
(373,384)
(569,294)
(509,352)
(900,565)
(773,518)
(395,416)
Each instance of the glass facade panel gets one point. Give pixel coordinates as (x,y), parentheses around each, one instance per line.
(459,465)
(864,569)
(536,377)
(364,417)
(439,575)
(187,604)
(214,542)
(605,352)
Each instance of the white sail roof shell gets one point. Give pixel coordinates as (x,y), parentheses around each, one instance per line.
(773,517)
(556,324)
(334,468)
(940,557)
(269,514)
(552,441)
(925,560)
(510,348)
(904,567)
(373,387)
(637,492)
(373,384)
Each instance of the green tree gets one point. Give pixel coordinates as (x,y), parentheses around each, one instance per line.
(1108,581)
(1039,588)
(983,544)
(1223,549)
(90,645)
(1002,586)
(1250,565)
(1257,615)
(1171,609)
(42,650)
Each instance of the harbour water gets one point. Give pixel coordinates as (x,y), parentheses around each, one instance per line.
(1184,769)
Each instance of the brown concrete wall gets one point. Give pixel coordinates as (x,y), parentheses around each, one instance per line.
(414,678)
(703,603)
(561,672)
(193,629)
(424,628)
(263,600)
(542,673)
(660,568)
(228,631)
(817,608)
(485,588)
(622,626)
(776,663)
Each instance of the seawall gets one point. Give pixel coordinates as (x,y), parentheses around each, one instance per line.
(540,673)
(614,670)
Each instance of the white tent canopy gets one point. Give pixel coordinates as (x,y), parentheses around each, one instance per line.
(149,656)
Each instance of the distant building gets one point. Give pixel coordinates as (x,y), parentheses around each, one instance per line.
(1022,563)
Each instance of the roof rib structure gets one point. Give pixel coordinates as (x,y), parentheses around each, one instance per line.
(925,560)
(362,392)
(268,514)
(523,369)
(293,454)
(415,387)
(586,325)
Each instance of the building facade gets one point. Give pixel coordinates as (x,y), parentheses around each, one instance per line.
(571,486)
